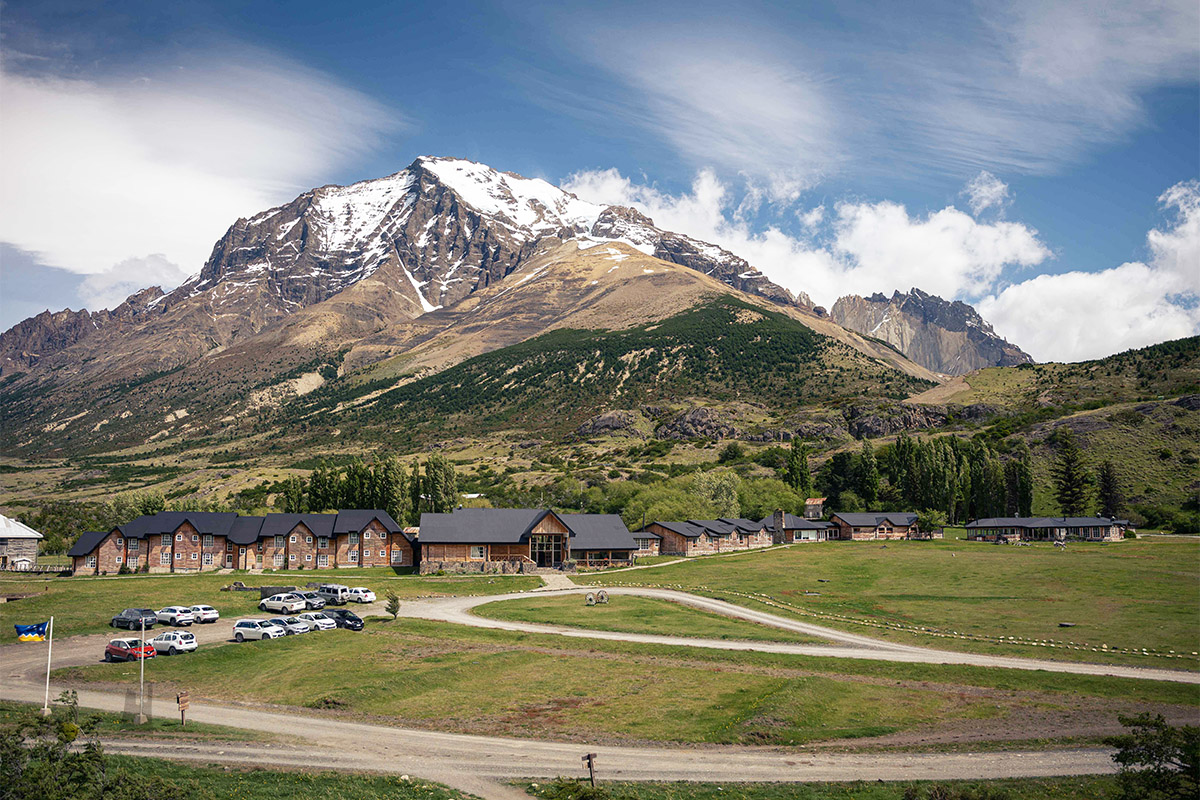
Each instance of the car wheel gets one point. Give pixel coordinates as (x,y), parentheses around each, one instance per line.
(171,651)
(262,606)
(108,657)
(239,637)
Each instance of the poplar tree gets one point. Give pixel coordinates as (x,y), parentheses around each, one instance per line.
(796,473)
(414,493)
(1072,480)
(867,475)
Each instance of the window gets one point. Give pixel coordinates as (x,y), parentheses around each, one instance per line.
(229,547)
(165,558)
(179,537)
(397,556)
(91,561)
(134,544)
(353,556)
(353,537)
(323,560)
(132,562)
(279,559)
(279,541)
(478,551)
(195,537)
(179,556)
(322,542)
(241,551)
(308,540)
(383,553)
(117,560)
(308,557)
(207,560)
(366,534)
(293,539)
(208,540)
(194,556)
(166,539)
(120,542)
(291,556)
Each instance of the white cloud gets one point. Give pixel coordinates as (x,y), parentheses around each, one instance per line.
(862,248)
(986,191)
(96,175)
(109,289)
(1082,315)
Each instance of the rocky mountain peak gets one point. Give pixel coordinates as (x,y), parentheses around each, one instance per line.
(945,336)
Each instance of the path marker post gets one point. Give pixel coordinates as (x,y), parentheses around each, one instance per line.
(590,761)
(184,704)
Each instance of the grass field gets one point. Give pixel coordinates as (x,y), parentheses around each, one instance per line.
(1073,788)
(1122,597)
(634,615)
(85,605)
(436,675)
(123,724)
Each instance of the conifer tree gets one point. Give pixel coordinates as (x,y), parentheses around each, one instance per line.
(1072,480)
(867,482)
(1108,487)
(415,492)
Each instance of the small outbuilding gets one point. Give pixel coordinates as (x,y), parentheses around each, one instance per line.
(18,544)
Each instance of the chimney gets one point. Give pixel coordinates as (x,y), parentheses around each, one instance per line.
(777,526)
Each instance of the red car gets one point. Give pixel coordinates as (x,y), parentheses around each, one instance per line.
(128,650)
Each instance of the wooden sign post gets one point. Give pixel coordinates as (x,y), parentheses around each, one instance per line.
(184,703)
(590,761)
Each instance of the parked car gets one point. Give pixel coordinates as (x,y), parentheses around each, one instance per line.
(312,600)
(132,619)
(172,642)
(318,620)
(245,629)
(335,594)
(360,594)
(128,650)
(344,618)
(291,625)
(286,602)
(176,615)
(205,614)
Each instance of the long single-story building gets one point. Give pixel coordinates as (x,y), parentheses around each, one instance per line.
(18,544)
(696,537)
(1046,529)
(874,525)
(198,541)
(788,528)
(520,540)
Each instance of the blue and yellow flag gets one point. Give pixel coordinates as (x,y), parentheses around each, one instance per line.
(32,633)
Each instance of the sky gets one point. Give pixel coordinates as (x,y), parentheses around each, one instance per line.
(1040,160)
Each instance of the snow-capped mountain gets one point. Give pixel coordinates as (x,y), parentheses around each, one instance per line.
(437,231)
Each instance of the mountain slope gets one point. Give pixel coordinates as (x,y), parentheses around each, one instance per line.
(946,337)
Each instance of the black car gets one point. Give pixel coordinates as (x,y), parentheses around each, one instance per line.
(132,619)
(344,618)
(312,601)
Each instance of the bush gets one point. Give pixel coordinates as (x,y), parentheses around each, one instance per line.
(731,452)
(571,789)
(1157,761)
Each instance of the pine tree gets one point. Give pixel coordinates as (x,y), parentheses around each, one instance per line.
(415,490)
(1072,480)
(1108,487)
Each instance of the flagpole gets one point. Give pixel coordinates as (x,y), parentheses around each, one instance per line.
(49,650)
(142,680)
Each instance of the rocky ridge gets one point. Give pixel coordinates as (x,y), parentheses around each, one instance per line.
(946,337)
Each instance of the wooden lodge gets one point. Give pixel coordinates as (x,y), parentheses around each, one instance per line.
(858,526)
(788,528)
(705,536)
(18,545)
(1047,529)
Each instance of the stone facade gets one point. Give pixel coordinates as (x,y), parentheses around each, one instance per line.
(13,549)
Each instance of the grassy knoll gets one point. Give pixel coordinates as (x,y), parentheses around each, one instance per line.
(1087,787)
(436,675)
(635,615)
(1131,594)
(83,605)
(111,724)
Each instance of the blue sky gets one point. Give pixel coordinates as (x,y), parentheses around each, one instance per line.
(830,144)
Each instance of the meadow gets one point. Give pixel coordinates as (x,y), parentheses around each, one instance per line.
(1119,598)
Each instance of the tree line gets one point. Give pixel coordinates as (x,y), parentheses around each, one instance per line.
(431,486)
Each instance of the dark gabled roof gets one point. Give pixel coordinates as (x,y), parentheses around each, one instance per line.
(139,527)
(873,518)
(480,526)
(353,520)
(598,532)
(685,529)
(793,523)
(1041,522)
(214,522)
(646,533)
(283,524)
(245,530)
(87,542)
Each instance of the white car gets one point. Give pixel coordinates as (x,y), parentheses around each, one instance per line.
(172,642)
(317,621)
(285,602)
(360,594)
(245,629)
(204,614)
(176,615)
(291,625)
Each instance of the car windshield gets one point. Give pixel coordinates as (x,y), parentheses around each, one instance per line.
(187,637)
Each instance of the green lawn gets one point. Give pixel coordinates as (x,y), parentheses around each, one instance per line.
(82,605)
(123,724)
(1090,787)
(972,596)
(635,615)
(436,675)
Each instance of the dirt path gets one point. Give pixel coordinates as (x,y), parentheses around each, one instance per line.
(458,610)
